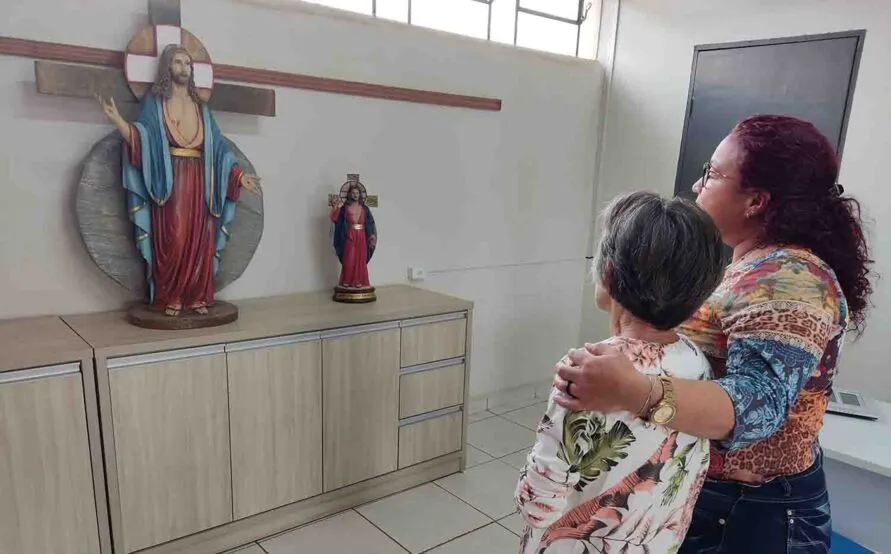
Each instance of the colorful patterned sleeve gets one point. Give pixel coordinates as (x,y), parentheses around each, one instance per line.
(547,480)
(789,314)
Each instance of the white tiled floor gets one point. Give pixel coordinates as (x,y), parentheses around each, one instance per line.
(466,513)
(499,437)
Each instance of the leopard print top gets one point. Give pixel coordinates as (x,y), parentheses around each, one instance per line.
(774,329)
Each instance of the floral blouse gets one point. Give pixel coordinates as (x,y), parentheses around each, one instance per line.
(774,329)
(614,483)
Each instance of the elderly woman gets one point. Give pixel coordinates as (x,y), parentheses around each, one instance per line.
(773,331)
(597,481)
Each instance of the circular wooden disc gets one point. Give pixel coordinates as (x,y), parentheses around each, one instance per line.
(143,43)
(220,313)
(354,296)
(101,209)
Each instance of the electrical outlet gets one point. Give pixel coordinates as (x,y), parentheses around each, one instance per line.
(416,274)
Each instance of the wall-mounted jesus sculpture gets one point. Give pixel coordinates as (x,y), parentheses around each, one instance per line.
(182,183)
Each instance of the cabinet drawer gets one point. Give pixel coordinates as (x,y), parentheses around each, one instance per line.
(431,389)
(442,338)
(429,439)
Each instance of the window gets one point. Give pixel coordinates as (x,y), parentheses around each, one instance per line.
(558,26)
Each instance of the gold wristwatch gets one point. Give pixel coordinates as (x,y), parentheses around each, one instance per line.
(664,410)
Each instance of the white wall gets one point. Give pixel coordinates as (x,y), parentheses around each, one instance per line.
(645,117)
(495,205)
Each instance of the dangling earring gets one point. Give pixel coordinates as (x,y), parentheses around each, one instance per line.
(750,214)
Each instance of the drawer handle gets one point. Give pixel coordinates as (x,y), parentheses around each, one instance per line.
(272,342)
(160,357)
(433,366)
(431,415)
(38,373)
(433,319)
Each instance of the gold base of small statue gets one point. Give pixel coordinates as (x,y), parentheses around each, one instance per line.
(143,315)
(354,296)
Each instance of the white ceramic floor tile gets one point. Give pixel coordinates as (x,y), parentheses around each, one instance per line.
(498,437)
(510,401)
(487,487)
(528,417)
(346,532)
(516,460)
(476,457)
(492,539)
(479,416)
(250,549)
(513,523)
(421,518)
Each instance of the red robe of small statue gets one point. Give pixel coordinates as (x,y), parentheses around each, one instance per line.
(355,238)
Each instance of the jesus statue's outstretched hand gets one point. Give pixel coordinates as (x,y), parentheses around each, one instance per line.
(111,111)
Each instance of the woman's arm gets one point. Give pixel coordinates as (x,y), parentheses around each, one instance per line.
(767,366)
(604,379)
(547,480)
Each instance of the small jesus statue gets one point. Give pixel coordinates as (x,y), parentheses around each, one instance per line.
(355,238)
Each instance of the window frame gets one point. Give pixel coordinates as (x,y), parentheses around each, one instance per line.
(584,7)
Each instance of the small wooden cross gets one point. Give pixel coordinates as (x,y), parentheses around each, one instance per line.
(84,81)
(370,200)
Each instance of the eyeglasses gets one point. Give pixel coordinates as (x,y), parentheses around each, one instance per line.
(709,172)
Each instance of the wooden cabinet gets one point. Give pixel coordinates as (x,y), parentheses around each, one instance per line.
(275,410)
(427,439)
(171,436)
(47,505)
(217,437)
(361,401)
(430,339)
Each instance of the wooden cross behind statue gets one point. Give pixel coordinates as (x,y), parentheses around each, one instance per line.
(103,75)
(87,82)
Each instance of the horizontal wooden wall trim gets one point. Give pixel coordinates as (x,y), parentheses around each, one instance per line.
(111,58)
(84,81)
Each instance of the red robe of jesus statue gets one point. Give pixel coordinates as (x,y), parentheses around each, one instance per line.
(183,229)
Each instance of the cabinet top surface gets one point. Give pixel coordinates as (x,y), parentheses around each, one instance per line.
(41,341)
(111,335)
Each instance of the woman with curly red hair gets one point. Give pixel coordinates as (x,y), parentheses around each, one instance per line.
(773,331)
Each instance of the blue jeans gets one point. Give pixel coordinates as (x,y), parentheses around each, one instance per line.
(787,515)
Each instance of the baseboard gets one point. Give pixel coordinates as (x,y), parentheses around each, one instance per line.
(506,397)
(267,524)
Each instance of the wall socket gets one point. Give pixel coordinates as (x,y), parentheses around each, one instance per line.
(417,274)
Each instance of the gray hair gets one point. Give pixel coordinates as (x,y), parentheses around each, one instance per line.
(660,259)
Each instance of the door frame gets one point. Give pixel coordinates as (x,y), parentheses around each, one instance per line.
(859,34)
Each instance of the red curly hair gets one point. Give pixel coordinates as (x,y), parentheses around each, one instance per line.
(797,165)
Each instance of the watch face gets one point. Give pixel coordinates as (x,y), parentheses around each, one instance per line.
(663,414)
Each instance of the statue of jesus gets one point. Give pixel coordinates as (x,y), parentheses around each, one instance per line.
(182,183)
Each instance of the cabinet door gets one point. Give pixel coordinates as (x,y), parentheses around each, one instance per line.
(171,433)
(46,485)
(361,403)
(275,405)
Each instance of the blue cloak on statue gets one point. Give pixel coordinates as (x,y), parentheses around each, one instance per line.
(152,184)
(340,232)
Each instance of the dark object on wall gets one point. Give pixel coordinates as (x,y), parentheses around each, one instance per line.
(810,77)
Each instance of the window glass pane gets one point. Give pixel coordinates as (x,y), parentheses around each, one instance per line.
(562,8)
(359,6)
(397,10)
(464,17)
(546,34)
(503,19)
